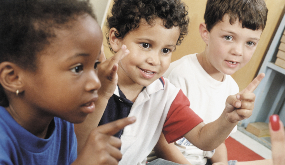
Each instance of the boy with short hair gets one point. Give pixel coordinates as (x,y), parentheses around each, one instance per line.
(151,29)
(231,32)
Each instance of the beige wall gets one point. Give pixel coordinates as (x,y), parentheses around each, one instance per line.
(194,44)
(99,8)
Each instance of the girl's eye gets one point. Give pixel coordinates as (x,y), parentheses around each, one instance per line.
(229,38)
(96,64)
(165,50)
(145,45)
(249,43)
(77,69)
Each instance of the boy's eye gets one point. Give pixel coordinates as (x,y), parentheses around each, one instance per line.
(96,64)
(165,50)
(77,69)
(251,43)
(229,38)
(145,45)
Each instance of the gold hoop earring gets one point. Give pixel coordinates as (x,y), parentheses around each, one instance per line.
(17,92)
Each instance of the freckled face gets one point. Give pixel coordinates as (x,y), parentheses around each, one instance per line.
(65,84)
(150,48)
(230,47)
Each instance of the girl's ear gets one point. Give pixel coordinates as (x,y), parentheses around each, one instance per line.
(204,32)
(10,78)
(115,42)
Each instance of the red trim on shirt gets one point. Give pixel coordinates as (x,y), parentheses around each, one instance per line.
(180,119)
(162,80)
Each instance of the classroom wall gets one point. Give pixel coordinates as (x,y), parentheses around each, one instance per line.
(99,7)
(194,44)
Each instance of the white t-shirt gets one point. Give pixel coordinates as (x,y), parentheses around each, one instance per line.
(207,96)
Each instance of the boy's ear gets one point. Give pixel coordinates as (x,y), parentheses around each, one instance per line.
(115,42)
(204,32)
(9,77)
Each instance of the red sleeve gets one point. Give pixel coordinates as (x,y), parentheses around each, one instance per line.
(180,119)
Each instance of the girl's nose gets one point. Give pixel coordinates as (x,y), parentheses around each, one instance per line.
(93,82)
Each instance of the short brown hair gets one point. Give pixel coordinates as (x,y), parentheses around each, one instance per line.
(251,13)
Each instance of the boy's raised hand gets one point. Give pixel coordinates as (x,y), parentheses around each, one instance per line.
(101,146)
(107,72)
(240,106)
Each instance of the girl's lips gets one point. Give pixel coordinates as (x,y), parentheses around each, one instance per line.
(147,73)
(89,107)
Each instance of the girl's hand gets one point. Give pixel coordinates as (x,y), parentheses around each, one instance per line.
(101,146)
(277,136)
(107,72)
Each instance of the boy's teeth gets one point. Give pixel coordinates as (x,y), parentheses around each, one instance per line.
(232,62)
(147,72)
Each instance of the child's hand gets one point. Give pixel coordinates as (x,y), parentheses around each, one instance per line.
(101,146)
(277,135)
(107,72)
(240,106)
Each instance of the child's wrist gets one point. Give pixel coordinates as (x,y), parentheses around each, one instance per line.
(104,95)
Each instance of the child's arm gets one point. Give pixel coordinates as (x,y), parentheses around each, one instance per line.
(169,151)
(221,155)
(101,146)
(238,107)
(107,73)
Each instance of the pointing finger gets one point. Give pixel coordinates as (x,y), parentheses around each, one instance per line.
(115,126)
(251,87)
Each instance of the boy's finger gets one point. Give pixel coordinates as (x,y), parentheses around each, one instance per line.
(115,126)
(251,87)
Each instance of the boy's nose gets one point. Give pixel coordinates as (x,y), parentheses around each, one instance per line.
(93,82)
(238,49)
(153,59)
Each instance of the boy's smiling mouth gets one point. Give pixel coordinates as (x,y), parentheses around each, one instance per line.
(147,73)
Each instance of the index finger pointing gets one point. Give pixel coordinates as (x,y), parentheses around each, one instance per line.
(251,87)
(115,126)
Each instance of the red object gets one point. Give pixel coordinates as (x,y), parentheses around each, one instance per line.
(274,121)
(239,152)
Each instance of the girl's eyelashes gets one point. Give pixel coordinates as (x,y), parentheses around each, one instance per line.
(96,64)
(77,69)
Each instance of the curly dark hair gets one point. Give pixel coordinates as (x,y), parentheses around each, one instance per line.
(251,13)
(126,15)
(27,27)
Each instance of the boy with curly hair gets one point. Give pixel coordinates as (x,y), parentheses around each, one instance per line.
(231,31)
(151,30)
